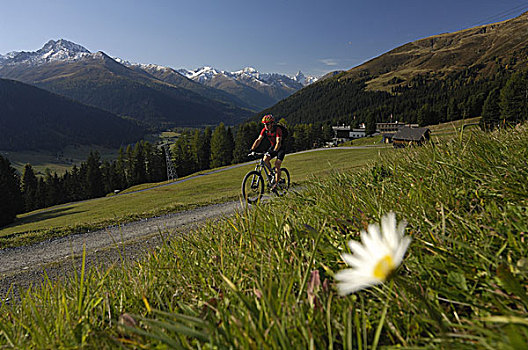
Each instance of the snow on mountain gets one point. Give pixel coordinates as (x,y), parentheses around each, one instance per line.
(146,67)
(60,50)
(64,50)
(248,75)
(204,74)
(304,80)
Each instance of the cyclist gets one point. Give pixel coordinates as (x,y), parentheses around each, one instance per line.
(277,149)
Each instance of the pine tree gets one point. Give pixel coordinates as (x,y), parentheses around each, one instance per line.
(41,193)
(200,149)
(230,145)
(155,163)
(139,171)
(205,149)
(453,112)
(109,176)
(491,111)
(221,152)
(94,176)
(514,99)
(129,165)
(53,193)
(12,201)
(370,124)
(29,188)
(244,138)
(75,185)
(121,170)
(183,155)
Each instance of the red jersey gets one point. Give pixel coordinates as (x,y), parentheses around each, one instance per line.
(272,134)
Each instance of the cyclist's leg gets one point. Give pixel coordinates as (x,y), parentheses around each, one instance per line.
(278,163)
(267,159)
(280,157)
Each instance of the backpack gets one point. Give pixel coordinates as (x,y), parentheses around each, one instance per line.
(284,130)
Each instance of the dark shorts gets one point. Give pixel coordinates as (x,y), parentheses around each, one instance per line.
(279,154)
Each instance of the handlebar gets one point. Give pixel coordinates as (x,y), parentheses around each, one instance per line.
(257,154)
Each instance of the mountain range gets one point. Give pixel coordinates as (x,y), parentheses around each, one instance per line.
(151,96)
(98,80)
(443,77)
(246,88)
(195,98)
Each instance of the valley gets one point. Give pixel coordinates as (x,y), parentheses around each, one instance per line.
(135,203)
(422,245)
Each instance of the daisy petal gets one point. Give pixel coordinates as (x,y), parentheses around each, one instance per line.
(380,252)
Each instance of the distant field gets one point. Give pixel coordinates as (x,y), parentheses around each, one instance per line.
(364,141)
(454,127)
(63,160)
(198,191)
(57,162)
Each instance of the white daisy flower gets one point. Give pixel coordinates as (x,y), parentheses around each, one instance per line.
(373,260)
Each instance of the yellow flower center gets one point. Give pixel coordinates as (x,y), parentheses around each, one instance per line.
(383,268)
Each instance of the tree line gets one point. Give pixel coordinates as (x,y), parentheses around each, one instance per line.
(506,105)
(501,99)
(143,162)
(425,99)
(93,178)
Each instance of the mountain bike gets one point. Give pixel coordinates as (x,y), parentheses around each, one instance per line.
(253,183)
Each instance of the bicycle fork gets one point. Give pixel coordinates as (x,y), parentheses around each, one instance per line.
(255,182)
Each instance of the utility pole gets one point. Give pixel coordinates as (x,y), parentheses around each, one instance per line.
(171,171)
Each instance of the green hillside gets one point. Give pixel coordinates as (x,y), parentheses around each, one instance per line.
(214,188)
(35,119)
(437,79)
(266,277)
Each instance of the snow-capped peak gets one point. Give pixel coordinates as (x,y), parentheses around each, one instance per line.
(247,70)
(61,47)
(304,80)
(60,50)
(248,75)
(201,74)
(64,50)
(148,67)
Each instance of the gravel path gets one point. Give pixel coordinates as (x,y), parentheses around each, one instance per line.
(57,258)
(23,266)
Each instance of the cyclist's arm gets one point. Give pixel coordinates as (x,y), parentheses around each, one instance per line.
(278,143)
(257,142)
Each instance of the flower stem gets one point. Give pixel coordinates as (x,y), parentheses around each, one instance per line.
(382,320)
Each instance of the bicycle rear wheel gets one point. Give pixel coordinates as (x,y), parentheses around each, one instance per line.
(252,187)
(284,182)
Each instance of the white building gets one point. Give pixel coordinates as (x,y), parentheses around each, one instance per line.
(345,133)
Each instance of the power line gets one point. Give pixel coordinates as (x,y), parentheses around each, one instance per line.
(506,14)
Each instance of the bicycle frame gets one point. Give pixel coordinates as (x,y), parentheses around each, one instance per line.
(261,165)
(254,181)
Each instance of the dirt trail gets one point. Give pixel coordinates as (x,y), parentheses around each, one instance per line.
(23,266)
(26,265)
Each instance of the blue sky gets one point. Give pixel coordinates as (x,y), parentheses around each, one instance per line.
(282,36)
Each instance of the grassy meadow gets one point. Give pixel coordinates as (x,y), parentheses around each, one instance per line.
(57,162)
(130,206)
(264,278)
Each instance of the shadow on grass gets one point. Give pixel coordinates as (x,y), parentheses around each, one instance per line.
(49,214)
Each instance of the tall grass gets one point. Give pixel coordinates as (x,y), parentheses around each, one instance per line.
(264,278)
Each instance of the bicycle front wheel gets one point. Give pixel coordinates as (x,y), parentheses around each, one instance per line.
(253,187)
(284,182)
